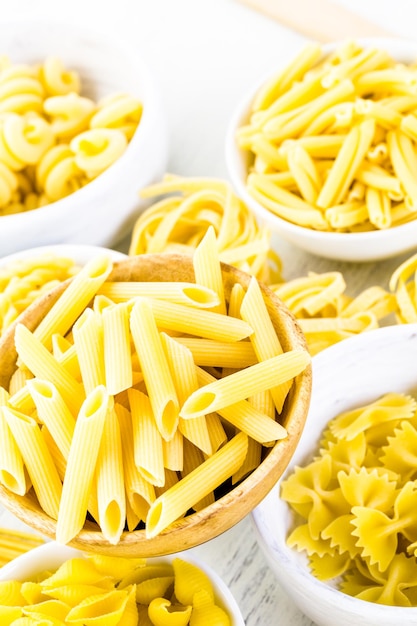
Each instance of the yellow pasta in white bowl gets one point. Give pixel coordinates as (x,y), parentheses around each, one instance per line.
(323,151)
(312,526)
(65,585)
(180,466)
(81,133)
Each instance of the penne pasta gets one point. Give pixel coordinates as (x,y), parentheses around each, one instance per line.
(149,348)
(147,440)
(37,458)
(110,480)
(43,365)
(178,292)
(12,472)
(74,299)
(81,464)
(89,348)
(174,502)
(207,268)
(244,383)
(117,351)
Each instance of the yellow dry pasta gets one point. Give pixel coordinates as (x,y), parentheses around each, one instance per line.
(178,223)
(316,135)
(47,125)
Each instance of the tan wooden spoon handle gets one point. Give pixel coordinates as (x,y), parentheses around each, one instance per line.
(321,20)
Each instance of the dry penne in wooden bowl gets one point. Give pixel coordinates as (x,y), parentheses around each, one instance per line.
(178,442)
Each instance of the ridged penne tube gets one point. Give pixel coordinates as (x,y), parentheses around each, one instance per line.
(213,472)
(347,162)
(12,472)
(147,440)
(81,464)
(180,292)
(206,324)
(184,376)
(18,380)
(110,481)
(53,412)
(247,418)
(44,366)
(217,432)
(210,353)
(161,611)
(152,359)
(244,383)
(264,338)
(139,492)
(193,457)
(74,299)
(207,268)
(37,459)
(89,347)
(117,351)
(111,604)
(173,452)
(65,353)
(58,458)
(251,462)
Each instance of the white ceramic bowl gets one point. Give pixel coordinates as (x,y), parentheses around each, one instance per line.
(349,374)
(51,555)
(104,211)
(358,247)
(80,254)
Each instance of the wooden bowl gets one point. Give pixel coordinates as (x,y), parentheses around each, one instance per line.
(228,510)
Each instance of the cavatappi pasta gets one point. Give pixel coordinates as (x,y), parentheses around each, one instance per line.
(332,139)
(179,221)
(53,139)
(95,589)
(354,503)
(185,423)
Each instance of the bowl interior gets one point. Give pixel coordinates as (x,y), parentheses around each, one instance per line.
(227,510)
(366,246)
(345,376)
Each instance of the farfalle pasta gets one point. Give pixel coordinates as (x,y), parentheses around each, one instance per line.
(355,502)
(42,114)
(331,140)
(94,589)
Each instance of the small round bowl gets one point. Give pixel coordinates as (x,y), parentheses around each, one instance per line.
(52,555)
(232,507)
(355,247)
(103,211)
(355,372)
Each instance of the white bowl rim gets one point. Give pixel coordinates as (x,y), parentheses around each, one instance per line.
(402,47)
(290,556)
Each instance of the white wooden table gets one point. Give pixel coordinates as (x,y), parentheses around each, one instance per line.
(205,55)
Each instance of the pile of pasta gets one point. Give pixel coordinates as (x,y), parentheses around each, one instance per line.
(14,543)
(190,386)
(179,221)
(333,140)
(53,139)
(327,314)
(114,591)
(24,280)
(354,503)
